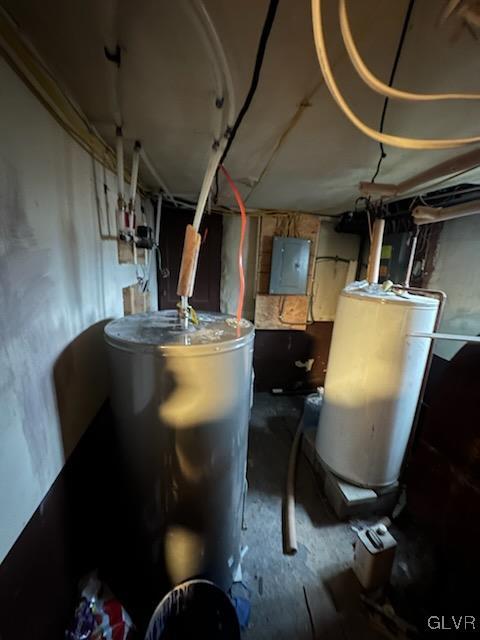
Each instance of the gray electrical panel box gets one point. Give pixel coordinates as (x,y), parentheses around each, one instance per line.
(289,270)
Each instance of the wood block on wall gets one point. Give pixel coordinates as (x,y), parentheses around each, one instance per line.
(126,252)
(129,254)
(281,312)
(134,300)
(142,256)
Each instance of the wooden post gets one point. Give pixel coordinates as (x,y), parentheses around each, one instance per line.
(375,251)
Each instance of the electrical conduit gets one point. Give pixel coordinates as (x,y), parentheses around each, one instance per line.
(394,141)
(374,83)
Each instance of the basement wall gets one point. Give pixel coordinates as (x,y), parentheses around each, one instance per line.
(457,272)
(59,284)
(280,355)
(332,276)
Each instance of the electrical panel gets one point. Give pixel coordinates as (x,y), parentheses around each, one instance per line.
(289,269)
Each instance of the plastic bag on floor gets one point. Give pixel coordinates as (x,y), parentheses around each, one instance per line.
(99,615)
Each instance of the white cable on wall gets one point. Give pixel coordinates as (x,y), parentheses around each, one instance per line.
(394,141)
(377,85)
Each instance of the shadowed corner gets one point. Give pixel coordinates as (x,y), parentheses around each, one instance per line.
(80,389)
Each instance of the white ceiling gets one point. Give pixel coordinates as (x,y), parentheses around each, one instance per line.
(293,157)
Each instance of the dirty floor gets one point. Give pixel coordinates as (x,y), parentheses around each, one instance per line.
(284,588)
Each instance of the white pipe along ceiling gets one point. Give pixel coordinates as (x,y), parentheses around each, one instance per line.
(173,63)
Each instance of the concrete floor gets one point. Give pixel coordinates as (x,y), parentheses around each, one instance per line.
(279,584)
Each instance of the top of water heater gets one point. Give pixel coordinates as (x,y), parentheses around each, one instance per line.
(163,330)
(377,293)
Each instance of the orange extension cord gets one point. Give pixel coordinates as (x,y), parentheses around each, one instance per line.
(243,214)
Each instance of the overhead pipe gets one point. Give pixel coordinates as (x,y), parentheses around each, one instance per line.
(377,85)
(121,215)
(113,53)
(225,93)
(134,176)
(158,218)
(158,178)
(219,117)
(455,337)
(375,255)
(458,164)
(120,167)
(224,88)
(133,185)
(428,215)
(191,247)
(229,93)
(411,257)
(206,186)
(395,141)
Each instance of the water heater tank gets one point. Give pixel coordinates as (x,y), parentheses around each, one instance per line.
(373,382)
(181,399)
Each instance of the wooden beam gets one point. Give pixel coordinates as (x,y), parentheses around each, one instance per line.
(377,189)
(427,215)
(458,164)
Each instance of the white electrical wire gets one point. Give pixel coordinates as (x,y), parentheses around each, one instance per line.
(377,85)
(225,105)
(134,176)
(221,67)
(156,175)
(384,138)
(224,89)
(230,91)
(219,117)
(120,169)
(158,217)
(207,185)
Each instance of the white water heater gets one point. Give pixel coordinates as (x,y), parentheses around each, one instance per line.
(375,372)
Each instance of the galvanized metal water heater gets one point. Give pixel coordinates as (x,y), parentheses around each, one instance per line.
(375,372)
(181,399)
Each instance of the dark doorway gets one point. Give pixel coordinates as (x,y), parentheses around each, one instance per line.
(206,296)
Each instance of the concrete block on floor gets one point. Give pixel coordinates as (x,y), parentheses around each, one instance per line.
(348,500)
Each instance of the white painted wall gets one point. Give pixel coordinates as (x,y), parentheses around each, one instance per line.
(331,276)
(457,272)
(229,283)
(58,281)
